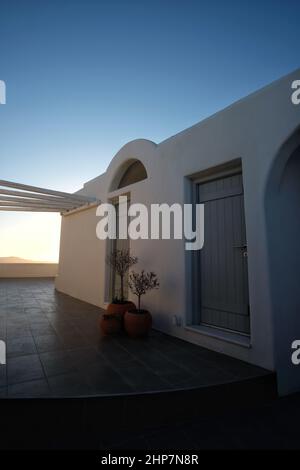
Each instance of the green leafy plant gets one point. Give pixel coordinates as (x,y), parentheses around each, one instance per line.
(121,261)
(141,283)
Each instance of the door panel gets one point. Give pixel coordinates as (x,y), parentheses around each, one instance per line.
(223,259)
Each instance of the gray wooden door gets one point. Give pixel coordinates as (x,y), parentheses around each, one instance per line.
(223,260)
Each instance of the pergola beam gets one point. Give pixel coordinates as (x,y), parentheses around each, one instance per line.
(42,197)
(30,209)
(36,189)
(25,198)
(36,202)
(34,206)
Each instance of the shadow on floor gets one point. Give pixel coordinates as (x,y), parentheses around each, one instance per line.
(55,349)
(66,386)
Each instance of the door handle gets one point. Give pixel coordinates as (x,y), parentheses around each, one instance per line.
(243,248)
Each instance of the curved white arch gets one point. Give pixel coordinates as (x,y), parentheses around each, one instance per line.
(141,150)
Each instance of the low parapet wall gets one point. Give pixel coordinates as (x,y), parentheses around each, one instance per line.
(28,270)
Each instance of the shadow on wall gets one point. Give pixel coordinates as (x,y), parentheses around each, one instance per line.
(283,232)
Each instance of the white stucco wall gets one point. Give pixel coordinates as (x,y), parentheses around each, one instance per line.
(81,267)
(252,130)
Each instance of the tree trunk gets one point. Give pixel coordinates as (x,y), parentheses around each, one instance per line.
(139,303)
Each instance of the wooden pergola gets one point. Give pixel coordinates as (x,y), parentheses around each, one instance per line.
(21,197)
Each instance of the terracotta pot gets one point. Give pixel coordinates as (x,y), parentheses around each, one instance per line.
(120,309)
(137,324)
(110,324)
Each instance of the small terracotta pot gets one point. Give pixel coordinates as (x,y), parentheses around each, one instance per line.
(110,324)
(120,309)
(137,324)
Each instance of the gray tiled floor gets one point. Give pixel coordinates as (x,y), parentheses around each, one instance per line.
(54,348)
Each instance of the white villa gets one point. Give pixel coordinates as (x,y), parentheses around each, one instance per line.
(240,294)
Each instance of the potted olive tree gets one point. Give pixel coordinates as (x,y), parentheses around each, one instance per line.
(120,261)
(110,323)
(138,322)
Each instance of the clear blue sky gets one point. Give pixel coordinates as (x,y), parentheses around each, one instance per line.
(84,76)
